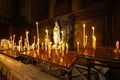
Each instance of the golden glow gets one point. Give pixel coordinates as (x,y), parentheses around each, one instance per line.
(62,32)
(83,25)
(27,32)
(93,28)
(14,35)
(46,31)
(84,35)
(94,42)
(78,46)
(85,40)
(36,23)
(117,44)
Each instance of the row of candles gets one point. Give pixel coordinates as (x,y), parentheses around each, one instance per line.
(48,44)
(85,39)
(10,44)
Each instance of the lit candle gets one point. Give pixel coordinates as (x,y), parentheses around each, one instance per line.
(83,35)
(21,45)
(117,44)
(62,35)
(45,44)
(93,38)
(25,44)
(49,50)
(38,46)
(27,40)
(38,39)
(46,33)
(10,38)
(86,40)
(27,35)
(78,46)
(94,42)
(93,31)
(47,39)
(66,47)
(37,30)
(13,42)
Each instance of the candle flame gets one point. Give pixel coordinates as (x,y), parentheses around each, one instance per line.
(83,25)
(14,35)
(77,42)
(93,28)
(36,23)
(50,42)
(27,32)
(62,32)
(46,31)
(20,37)
(38,39)
(94,37)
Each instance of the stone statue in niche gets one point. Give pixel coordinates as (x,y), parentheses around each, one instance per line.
(56,34)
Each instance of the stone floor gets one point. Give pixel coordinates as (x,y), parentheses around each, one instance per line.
(75,74)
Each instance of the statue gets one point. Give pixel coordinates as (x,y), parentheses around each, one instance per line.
(56,34)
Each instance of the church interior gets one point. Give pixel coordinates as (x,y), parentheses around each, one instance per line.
(59,39)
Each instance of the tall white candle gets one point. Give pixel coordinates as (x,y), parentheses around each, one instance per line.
(94,42)
(93,38)
(37,30)
(38,46)
(27,39)
(93,30)
(66,47)
(13,42)
(21,44)
(46,40)
(50,47)
(25,45)
(117,44)
(27,35)
(38,39)
(10,38)
(62,35)
(83,35)
(45,44)
(46,33)
(78,44)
